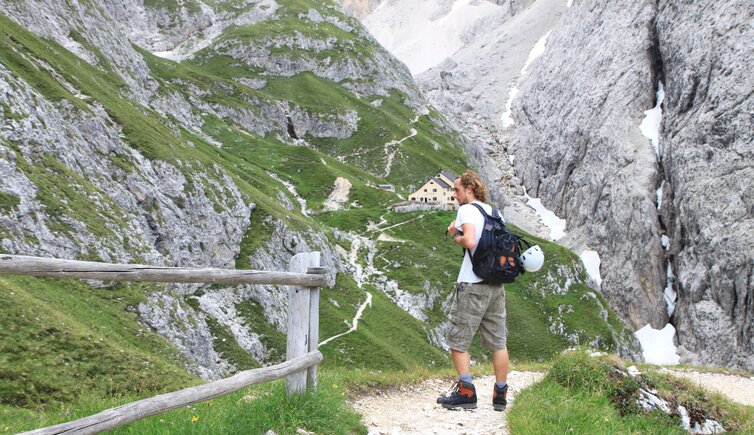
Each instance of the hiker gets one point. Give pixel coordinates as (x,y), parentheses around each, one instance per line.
(476,304)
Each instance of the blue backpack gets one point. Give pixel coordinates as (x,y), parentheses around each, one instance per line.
(497,256)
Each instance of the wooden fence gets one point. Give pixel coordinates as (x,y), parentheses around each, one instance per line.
(300,368)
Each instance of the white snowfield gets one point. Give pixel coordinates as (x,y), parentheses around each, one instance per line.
(423,33)
(657,346)
(556,225)
(591,260)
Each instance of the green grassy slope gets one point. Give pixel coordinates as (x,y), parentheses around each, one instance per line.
(61,339)
(423,258)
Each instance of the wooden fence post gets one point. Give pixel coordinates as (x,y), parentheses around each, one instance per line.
(298,324)
(314,259)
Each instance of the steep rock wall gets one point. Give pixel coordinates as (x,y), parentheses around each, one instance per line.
(708,159)
(578,146)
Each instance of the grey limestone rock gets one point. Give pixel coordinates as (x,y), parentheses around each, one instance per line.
(578,147)
(708,162)
(80,26)
(167,314)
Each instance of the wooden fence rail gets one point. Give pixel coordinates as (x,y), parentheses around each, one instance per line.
(300,369)
(55,268)
(133,411)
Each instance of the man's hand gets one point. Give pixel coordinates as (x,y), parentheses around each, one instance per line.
(452,231)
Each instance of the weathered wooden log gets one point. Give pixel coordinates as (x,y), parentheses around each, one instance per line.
(55,268)
(314,259)
(298,324)
(128,413)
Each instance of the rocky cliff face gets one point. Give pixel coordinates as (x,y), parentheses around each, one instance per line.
(578,146)
(672,220)
(708,167)
(360,8)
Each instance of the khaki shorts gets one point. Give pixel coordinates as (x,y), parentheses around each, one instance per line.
(478,306)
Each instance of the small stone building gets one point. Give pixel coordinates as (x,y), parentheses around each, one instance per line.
(438,190)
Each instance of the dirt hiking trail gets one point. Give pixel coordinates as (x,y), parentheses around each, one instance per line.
(412,409)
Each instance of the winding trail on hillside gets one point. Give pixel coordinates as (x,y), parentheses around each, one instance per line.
(354,323)
(412,409)
(391,154)
(292,189)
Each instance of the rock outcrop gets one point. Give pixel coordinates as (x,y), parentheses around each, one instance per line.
(705,53)
(578,146)
(81,189)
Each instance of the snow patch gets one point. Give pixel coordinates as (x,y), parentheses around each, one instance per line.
(535,52)
(669,294)
(549,219)
(665,241)
(507,117)
(657,345)
(659,194)
(591,260)
(650,125)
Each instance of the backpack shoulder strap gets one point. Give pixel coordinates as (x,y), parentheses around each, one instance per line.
(495,212)
(481,209)
(487,220)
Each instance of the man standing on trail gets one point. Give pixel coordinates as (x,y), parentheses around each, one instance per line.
(476,305)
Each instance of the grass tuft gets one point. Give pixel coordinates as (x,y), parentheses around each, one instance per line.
(594,394)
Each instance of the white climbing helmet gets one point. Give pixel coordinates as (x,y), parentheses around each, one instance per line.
(533,259)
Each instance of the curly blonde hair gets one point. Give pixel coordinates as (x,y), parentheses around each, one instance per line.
(472,180)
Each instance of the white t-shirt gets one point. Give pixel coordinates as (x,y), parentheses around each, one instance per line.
(468,214)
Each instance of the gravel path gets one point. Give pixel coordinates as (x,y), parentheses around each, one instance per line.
(412,409)
(739,389)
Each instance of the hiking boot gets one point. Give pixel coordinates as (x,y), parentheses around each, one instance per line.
(462,396)
(498,398)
